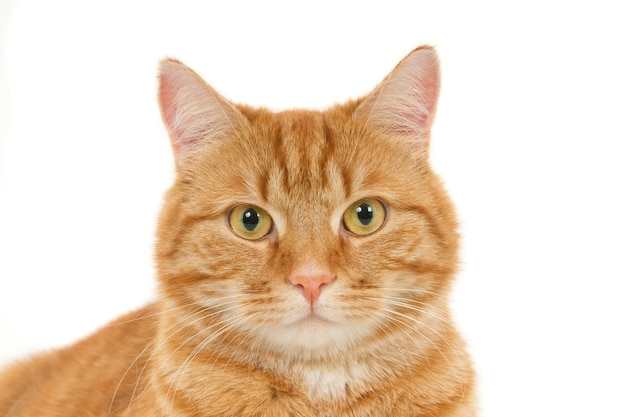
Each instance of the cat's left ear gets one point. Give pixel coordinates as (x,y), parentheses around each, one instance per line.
(193,112)
(404,104)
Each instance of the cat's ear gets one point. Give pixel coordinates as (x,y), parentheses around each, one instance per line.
(404,104)
(193,112)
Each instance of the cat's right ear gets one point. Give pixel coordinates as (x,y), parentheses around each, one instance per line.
(192,111)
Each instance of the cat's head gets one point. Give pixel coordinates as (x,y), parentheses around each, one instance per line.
(306,230)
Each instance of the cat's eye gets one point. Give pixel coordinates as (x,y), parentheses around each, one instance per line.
(364,217)
(250,222)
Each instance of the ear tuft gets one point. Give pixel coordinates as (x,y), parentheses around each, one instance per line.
(405,102)
(192,111)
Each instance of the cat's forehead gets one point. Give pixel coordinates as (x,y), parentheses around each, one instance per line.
(301,158)
(321,155)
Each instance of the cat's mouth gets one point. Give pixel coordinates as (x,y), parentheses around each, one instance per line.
(311,319)
(315,333)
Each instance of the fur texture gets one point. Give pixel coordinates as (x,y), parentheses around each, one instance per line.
(326,297)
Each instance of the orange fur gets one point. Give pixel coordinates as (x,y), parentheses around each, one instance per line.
(231,333)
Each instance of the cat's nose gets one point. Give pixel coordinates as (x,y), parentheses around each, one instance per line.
(311,284)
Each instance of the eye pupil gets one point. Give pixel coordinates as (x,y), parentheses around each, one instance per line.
(251,219)
(364,217)
(250,222)
(365,214)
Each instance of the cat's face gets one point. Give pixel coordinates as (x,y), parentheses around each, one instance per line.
(302,231)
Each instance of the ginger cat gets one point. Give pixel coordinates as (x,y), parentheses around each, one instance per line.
(304,259)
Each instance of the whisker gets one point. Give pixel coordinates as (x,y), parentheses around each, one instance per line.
(148,345)
(141,317)
(198,310)
(401,350)
(183,368)
(421,324)
(419,291)
(392,301)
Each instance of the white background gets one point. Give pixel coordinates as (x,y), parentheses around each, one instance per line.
(529,138)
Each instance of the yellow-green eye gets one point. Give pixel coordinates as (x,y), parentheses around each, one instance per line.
(250,222)
(364,217)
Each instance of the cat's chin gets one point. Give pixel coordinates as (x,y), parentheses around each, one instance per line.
(314,334)
(311,320)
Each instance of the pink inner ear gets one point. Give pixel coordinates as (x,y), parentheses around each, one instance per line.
(176,81)
(192,111)
(182,118)
(425,93)
(406,101)
(167,96)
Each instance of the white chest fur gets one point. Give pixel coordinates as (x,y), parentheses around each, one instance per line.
(324,383)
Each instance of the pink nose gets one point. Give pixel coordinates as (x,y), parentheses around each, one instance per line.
(311,285)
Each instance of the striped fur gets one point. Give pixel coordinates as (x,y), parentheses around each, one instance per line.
(230,335)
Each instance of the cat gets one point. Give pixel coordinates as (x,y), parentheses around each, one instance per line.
(304,259)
